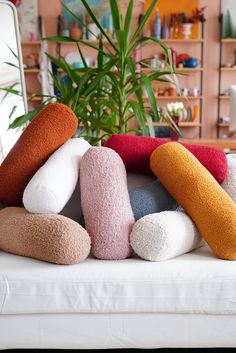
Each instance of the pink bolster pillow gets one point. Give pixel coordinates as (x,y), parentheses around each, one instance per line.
(135,152)
(105,203)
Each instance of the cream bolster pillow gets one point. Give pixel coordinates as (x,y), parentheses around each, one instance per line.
(50,238)
(54,183)
(209,206)
(105,203)
(162,236)
(229,183)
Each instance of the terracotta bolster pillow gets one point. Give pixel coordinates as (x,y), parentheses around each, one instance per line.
(52,127)
(135,152)
(50,238)
(209,206)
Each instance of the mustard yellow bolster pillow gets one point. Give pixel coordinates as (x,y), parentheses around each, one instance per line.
(195,189)
(50,238)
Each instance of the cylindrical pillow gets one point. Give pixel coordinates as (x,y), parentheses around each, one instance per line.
(50,238)
(135,152)
(162,236)
(212,210)
(105,203)
(53,184)
(151,198)
(51,127)
(229,184)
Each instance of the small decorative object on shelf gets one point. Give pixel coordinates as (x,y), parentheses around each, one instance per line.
(175,110)
(75,31)
(165,33)
(227,28)
(186,29)
(157,26)
(188,21)
(176,27)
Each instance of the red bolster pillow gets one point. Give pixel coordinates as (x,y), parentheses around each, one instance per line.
(135,152)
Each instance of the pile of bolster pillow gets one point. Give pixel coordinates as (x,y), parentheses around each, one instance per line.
(64,199)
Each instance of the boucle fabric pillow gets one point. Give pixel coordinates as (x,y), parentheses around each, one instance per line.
(229,184)
(50,238)
(52,127)
(54,183)
(162,236)
(151,198)
(135,152)
(205,201)
(105,203)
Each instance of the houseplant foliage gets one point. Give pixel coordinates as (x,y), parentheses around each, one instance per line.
(106,97)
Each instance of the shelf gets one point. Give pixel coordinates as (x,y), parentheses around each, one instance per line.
(34,99)
(178,70)
(31,71)
(182,41)
(224,97)
(183,124)
(223,124)
(228,40)
(228,69)
(27,42)
(175,97)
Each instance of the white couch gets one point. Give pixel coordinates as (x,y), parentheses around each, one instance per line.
(189,301)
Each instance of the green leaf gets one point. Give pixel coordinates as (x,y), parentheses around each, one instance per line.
(128,21)
(82,56)
(144,20)
(147,84)
(115,12)
(139,116)
(121,41)
(150,125)
(21,120)
(11,64)
(12,91)
(13,53)
(96,21)
(172,124)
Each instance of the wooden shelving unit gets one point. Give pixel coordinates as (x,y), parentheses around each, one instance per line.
(223,70)
(228,68)
(181,124)
(35,42)
(31,71)
(182,98)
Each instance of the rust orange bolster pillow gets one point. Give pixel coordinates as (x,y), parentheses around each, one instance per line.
(52,238)
(209,206)
(135,152)
(51,127)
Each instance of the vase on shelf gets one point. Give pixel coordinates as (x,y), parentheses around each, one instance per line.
(165,32)
(186,30)
(174,136)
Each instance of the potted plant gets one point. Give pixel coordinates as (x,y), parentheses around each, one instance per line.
(107,97)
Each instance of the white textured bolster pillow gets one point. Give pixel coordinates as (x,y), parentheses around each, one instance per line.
(229,183)
(53,184)
(162,236)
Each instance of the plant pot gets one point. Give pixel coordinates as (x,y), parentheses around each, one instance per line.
(186,30)
(174,136)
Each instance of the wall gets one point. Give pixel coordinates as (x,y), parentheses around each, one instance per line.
(51,9)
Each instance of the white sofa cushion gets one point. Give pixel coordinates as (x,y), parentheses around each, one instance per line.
(196,282)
